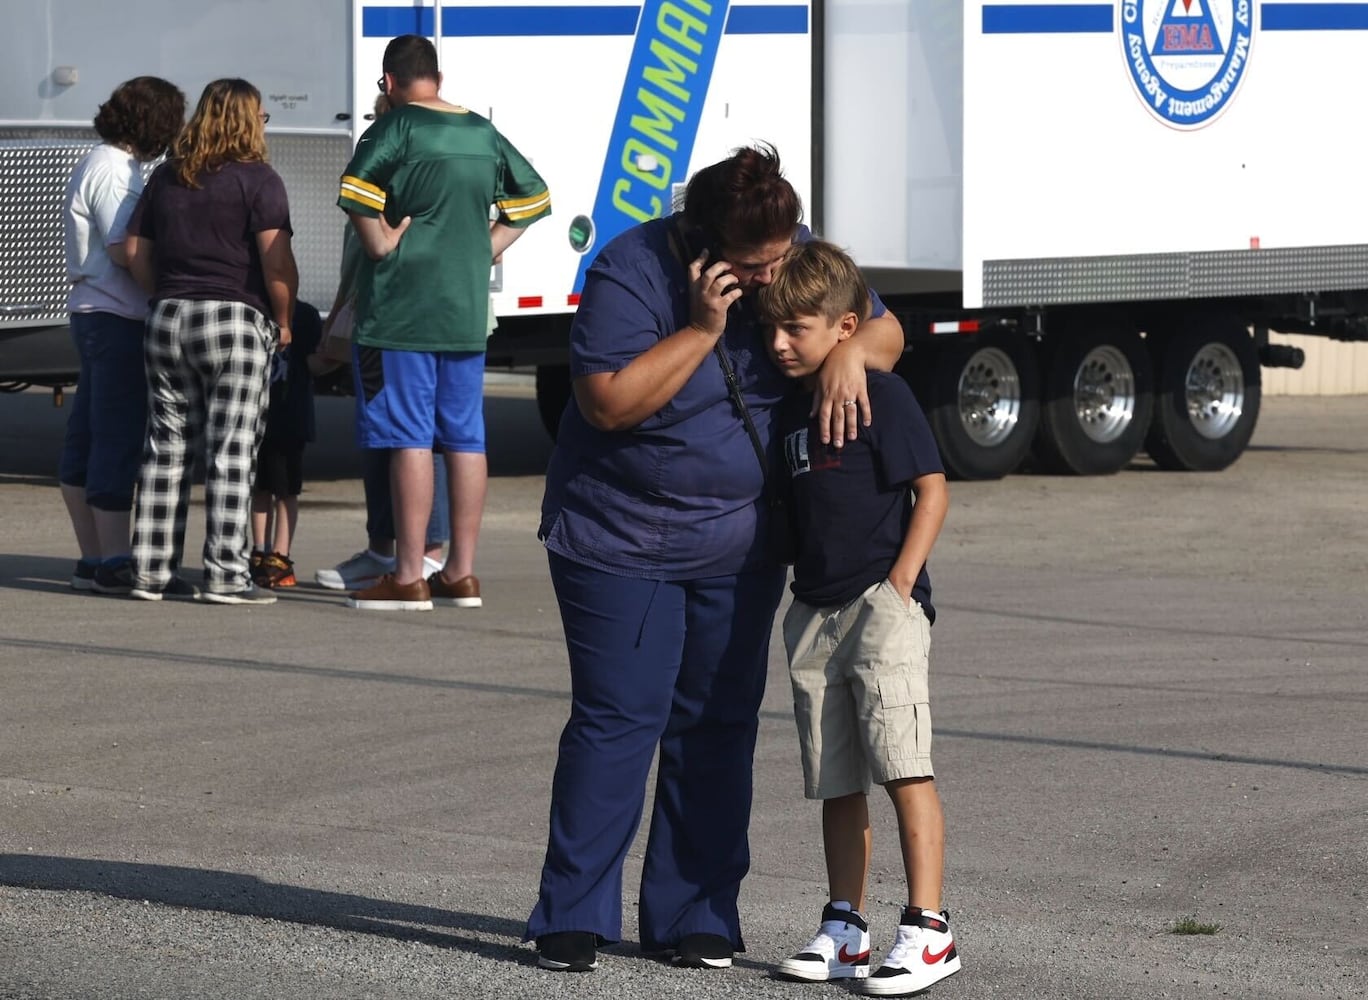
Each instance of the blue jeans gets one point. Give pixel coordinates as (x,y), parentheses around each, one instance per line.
(375,463)
(107,429)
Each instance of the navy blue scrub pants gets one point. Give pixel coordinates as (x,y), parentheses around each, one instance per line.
(681,666)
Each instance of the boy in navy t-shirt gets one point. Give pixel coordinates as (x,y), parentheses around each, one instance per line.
(858,631)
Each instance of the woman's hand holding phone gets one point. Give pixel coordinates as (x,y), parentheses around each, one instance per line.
(712,289)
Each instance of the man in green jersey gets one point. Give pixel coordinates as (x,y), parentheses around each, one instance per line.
(418,190)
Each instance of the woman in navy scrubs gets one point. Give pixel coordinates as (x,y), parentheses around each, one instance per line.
(655,529)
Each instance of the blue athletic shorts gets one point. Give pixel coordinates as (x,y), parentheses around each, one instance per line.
(415,399)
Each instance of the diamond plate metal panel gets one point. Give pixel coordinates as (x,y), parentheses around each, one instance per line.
(311,166)
(35,164)
(1259,272)
(1142,277)
(34,168)
(1064,280)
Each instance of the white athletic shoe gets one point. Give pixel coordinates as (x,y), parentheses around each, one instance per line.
(923,954)
(356,573)
(839,951)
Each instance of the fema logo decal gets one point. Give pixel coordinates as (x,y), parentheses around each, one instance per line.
(1186,57)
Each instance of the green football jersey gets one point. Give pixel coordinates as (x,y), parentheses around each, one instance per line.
(444,169)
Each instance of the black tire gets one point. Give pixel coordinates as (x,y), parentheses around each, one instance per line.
(553,395)
(1208,398)
(984,396)
(1097,402)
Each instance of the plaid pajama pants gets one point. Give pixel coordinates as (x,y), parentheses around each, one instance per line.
(207,370)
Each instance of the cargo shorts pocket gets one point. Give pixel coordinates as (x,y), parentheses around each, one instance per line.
(905,720)
(900,743)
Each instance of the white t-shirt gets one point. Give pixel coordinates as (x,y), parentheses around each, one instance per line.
(100,197)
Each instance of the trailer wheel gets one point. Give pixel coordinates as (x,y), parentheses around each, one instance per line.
(1097,403)
(553,395)
(985,405)
(1208,398)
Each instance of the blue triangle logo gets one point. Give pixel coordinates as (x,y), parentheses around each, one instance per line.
(1188,30)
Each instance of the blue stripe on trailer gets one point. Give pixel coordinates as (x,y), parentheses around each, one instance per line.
(1047,19)
(786,20)
(1314,17)
(491,22)
(526,21)
(387,22)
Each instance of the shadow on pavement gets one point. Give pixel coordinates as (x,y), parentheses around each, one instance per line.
(249,896)
(43,574)
(1288,449)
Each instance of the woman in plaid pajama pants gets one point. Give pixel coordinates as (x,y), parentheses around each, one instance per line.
(210,240)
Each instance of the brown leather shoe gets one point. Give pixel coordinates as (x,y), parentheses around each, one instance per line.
(387,595)
(464,593)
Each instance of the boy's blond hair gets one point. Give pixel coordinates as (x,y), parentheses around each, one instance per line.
(815,278)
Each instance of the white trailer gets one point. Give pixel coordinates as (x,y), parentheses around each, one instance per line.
(614,105)
(1087,215)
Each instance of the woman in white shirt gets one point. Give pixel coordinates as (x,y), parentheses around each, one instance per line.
(106,431)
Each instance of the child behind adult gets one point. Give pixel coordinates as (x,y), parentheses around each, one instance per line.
(858,631)
(280,457)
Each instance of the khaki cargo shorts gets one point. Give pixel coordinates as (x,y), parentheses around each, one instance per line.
(860,693)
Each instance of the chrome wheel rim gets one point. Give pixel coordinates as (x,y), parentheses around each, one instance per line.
(989,397)
(1215,391)
(1104,394)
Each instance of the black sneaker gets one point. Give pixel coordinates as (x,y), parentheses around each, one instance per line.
(703,951)
(568,951)
(252,595)
(83,575)
(277,570)
(176,590)
(116,580)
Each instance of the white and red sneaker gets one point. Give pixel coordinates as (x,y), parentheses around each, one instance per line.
(839,951)
(923,954)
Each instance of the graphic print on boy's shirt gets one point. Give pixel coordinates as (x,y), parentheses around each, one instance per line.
(799,457)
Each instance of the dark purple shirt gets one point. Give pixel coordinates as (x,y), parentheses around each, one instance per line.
(206,237)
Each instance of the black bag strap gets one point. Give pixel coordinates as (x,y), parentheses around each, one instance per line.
(681,252)
(734,390)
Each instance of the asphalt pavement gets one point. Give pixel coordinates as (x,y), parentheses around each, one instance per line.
(1150,695)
